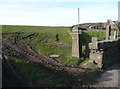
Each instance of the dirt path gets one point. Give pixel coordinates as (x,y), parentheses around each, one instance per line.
(15,47)
(109,78)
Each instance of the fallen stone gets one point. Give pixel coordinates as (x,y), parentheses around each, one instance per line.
(54,56)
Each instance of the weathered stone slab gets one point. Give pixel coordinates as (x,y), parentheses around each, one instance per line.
(54,56)
(93,45)
(94,40)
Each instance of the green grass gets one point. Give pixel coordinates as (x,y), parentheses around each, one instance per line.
(46,34)
(99,34)
(43,31)
(43,43)
(38,76)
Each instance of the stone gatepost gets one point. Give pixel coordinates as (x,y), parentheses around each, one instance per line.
(76,42)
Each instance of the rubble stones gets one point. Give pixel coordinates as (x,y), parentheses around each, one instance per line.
(104,53)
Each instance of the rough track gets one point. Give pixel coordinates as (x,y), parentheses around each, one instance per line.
(110,78)
(15,47)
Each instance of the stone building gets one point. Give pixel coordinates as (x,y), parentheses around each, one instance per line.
(111,26)
(97,26)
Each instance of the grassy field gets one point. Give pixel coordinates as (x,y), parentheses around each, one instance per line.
(43,31)
(34,75)
(46,42)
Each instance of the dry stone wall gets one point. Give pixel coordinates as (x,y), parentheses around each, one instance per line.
(105,53)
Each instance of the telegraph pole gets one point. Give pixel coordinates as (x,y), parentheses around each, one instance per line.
(78,16)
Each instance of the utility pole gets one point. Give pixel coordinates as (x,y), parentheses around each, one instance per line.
(78,16)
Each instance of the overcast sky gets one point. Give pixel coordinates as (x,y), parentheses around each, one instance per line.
(56,12)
